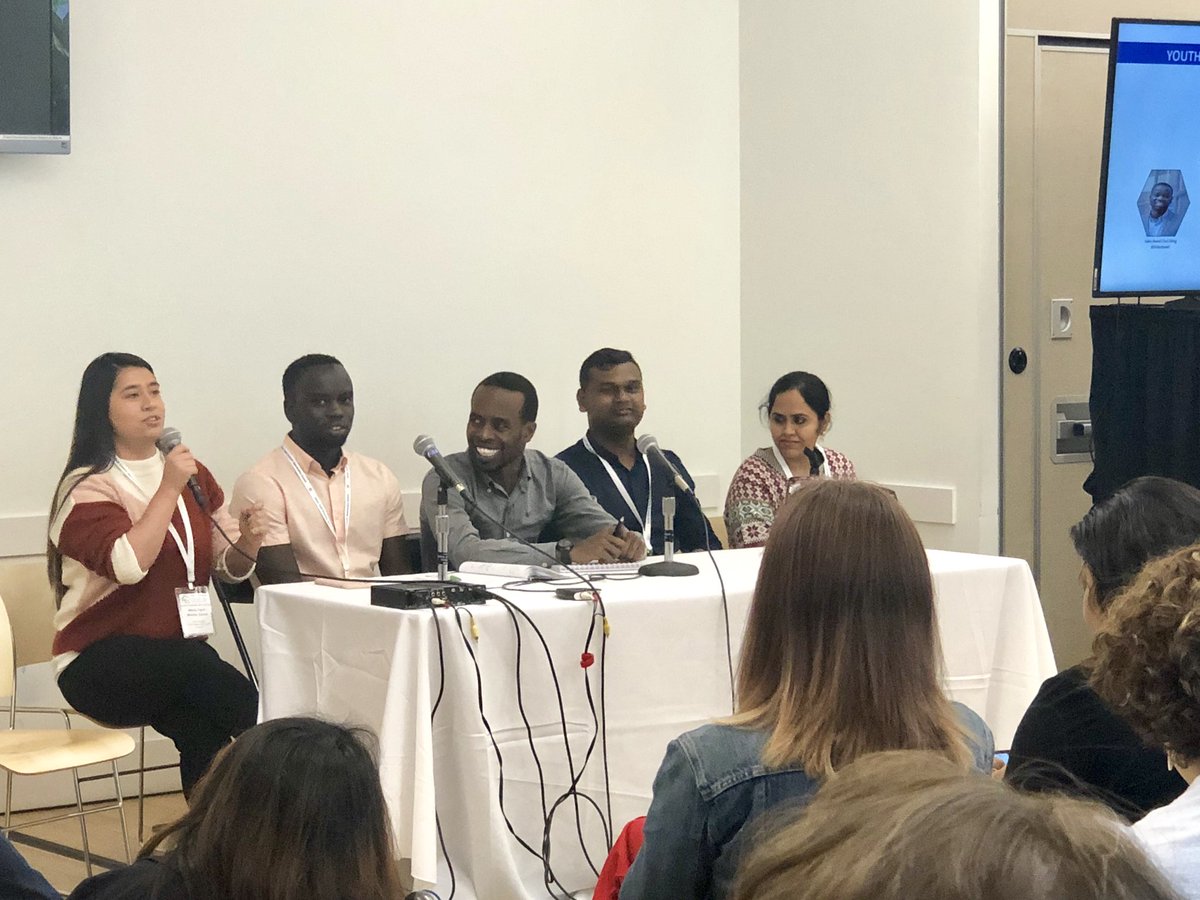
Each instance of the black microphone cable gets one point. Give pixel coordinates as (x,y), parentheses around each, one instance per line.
(724,604)
(602,726)
(499,756)
(600,723)
(551,880)
(720,579)
(437,628)
(572,791)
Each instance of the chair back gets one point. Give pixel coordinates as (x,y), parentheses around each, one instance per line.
(718,526)
(8,668)
(30,600)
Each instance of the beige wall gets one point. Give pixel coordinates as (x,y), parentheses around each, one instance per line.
(870,185)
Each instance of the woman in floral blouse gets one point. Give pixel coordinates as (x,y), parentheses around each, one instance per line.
(797,410)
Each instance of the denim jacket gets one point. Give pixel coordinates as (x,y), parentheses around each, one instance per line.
(711,784)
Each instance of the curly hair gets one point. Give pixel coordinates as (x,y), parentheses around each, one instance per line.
(1147,657)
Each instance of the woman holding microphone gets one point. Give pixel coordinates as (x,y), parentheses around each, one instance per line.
(130,554)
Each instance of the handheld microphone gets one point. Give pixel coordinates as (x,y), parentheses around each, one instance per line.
(168,441)
(648,444)
(424,446)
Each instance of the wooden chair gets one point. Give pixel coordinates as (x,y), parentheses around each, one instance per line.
(25,751)
(718,526)
(31,615)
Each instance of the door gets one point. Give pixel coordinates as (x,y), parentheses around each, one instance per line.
(1055,73)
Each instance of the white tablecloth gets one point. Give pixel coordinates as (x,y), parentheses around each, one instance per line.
(326,651)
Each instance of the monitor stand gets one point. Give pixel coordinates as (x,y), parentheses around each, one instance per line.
(1191,301)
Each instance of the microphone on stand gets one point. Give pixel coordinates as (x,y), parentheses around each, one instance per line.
(424,446)
(648,445)
(168,441)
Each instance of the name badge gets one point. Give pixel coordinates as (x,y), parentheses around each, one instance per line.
(195,611)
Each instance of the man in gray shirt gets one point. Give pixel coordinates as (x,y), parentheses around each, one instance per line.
(534,496)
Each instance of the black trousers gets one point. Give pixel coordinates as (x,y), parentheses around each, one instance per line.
(180,687)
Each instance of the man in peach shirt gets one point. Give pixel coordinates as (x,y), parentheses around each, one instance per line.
(333,514)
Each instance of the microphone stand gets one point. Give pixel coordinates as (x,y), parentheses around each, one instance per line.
(442,526)
(668,567)
(238,640)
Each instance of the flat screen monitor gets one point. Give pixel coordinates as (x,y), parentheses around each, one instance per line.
(35,84)
(1147,235)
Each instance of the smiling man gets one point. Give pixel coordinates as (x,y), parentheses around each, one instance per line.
(333,513)
(1161,220)
(534,496)
(608,462)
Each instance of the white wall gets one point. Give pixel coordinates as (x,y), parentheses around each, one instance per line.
(436,191)
(429,191)
(870,247)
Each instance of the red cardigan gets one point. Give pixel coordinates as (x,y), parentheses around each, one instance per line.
(101,601)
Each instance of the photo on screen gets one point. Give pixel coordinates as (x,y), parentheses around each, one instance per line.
(1147,243)
(1163,202)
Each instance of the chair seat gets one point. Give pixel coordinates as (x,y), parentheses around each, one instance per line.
(34,752)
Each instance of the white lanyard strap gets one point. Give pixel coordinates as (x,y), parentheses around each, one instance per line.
(645,518)
(187,550)
(312,492)
(787,470)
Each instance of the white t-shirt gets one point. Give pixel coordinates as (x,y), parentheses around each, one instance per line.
(1171,836)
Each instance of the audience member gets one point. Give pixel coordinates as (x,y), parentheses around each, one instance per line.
(1069,740)
(840,659)
(1147,668)
(130,553)
(333,513)
(537,498)
(609,464)
(904,825)
(797,409)
(18,879)
(292,811)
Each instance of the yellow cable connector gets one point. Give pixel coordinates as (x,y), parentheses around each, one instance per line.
(607,630)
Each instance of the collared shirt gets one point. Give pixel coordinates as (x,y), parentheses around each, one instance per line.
(548,503)
(1165,225)
(691,526)
(376,513)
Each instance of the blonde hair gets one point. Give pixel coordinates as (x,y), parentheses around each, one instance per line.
(841,655)
(1147,655)
(898,825)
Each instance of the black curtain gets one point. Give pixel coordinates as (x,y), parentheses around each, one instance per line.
(1145,396)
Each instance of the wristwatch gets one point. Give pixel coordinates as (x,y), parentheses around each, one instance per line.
(562,550)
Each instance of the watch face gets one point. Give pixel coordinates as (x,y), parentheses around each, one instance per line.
(563,550)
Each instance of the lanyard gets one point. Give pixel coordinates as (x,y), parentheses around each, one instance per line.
(341,548)
(186,550)
(787,470)
(644,519)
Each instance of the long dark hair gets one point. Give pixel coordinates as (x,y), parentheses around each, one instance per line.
(1146,518)
(93,446)
(292,810)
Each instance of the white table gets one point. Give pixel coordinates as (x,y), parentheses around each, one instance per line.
(326,651)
